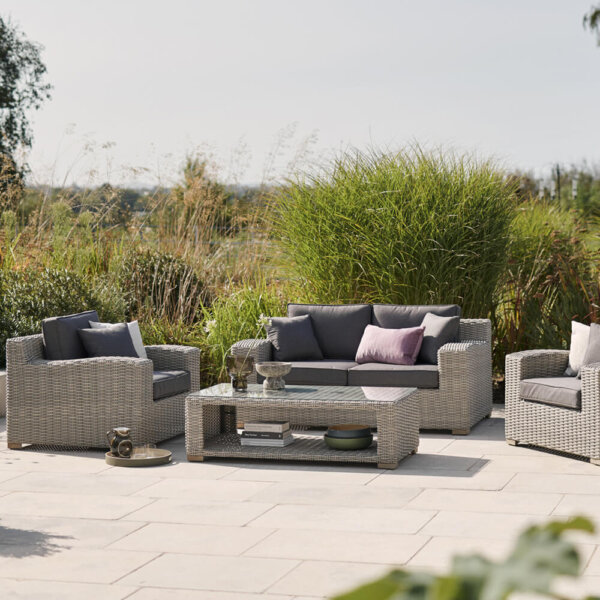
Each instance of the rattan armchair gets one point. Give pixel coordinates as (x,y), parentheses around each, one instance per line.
(75,402)
(575,431)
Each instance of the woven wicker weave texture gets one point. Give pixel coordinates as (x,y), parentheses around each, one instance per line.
(395,412)
(563,429)
(75,402)
(464,396)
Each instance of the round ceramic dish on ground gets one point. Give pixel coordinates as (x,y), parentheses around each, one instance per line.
(359,443)
(155,456)
(348,431)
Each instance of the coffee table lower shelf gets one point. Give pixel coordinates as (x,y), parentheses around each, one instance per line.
(305,447)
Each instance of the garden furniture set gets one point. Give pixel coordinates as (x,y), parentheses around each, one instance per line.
(78,379)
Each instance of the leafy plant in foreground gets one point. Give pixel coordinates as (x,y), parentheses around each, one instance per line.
(540,555)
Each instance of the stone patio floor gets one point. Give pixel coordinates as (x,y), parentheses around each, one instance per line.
(73,527)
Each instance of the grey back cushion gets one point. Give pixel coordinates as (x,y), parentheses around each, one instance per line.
(397,316)
(61,340)
(109,341)
(592,354)
(293,338)
(438,331)
(338,328)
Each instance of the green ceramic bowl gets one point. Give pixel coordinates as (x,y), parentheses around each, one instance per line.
(348,431)
(359,443)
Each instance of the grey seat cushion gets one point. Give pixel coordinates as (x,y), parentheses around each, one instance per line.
(61,340)
(397,316)
(379,374)
(170,383)
(592,354)
(556,391)
(319,372)
(338,328)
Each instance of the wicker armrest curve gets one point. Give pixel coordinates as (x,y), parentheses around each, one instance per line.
(528,364)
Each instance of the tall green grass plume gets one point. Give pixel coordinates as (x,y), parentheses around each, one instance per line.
(413,227)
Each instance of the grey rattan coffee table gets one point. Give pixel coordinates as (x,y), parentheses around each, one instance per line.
(395,410)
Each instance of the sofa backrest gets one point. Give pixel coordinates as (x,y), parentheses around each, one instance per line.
(338,328)
(397,316)
(61,340)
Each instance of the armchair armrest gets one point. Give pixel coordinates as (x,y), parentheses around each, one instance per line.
(260,349)
(535,363)
(187,358)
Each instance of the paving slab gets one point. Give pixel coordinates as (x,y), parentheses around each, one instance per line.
(193,539)
(218,573)
(343,545)
(326,578)
(70,505)
(335,495)
(82,565)
(344,518)
(149,593)
(14,589)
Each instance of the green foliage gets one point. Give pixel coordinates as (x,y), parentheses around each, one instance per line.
(236,315)
(541,554)
(22,86)
(409,228)
(591,21)
(29,296)
(157,284)
(551,279)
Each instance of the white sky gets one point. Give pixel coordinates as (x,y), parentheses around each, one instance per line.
(515,79)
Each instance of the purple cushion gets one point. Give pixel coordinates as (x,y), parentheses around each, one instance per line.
(390,346)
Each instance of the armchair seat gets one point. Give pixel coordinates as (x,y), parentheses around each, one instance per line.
(555,391)
(170,383)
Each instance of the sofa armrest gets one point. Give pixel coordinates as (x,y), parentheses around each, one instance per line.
(590,389)
(260,349)
(475,329)
(466,380)
(168,357)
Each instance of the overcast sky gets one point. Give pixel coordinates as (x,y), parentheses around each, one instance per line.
(155,80)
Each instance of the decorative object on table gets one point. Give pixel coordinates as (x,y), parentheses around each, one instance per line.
(267,433)
(238,369)
(274,371)
(348,437)
(151,457)
(120,442)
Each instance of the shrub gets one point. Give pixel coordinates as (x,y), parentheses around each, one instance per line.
(29,296)
(552,278)
(158,284)
(233,317)
(408,228)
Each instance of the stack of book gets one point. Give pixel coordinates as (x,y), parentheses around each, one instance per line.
(267,433)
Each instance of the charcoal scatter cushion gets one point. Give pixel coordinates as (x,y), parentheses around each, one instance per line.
(293,338)
(109,341)
(438,331)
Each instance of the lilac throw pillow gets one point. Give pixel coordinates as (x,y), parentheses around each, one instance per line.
(391,346)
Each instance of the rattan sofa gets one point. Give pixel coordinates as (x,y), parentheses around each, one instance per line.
(573,429)
(75,402)
(453,395)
